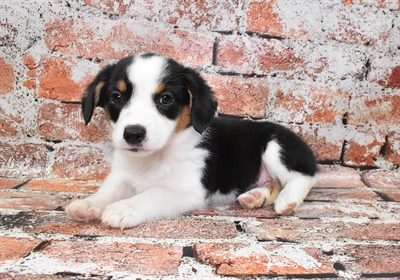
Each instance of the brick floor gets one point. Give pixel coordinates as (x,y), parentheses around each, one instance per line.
(348,227)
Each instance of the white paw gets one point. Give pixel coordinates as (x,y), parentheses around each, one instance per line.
(286,203)
(120,215)
(260,197)
(84,210)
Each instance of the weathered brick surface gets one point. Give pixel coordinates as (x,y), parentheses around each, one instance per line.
(6,76)
(240,96)
(393,148)
(241,259)
(363,148)
(382,179)
(8,183)
(250,55)
(81,163)
(299,103)
(322,140)
(117,39)
(59,78)
(65,121)
(86,187)
(9,124)
(16,248)
(36,201)
(372,259)
(374,110)
(23,160)
(129,258)
(300,230)
(180,228)
(336,176)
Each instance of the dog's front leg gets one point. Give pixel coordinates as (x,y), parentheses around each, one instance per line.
(91,208)
(152,204)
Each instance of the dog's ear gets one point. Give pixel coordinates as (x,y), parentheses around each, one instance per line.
(95,92)
(203,104)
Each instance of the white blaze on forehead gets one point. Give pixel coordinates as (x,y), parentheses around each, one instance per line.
(145,73)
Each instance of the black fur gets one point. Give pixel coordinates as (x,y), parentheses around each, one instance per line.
(236,147)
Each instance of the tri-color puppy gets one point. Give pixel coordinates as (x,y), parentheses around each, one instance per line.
(173,155)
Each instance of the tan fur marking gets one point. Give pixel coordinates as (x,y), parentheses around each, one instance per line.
(121,86)
(183,119)
(159,88)
(97,91)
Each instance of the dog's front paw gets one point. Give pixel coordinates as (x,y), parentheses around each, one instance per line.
(287,203)
(84,210)
(120,215)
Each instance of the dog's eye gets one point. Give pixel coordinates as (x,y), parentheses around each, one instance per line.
(166,99)
(115,98)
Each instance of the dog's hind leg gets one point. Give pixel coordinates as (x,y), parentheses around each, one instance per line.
(295,185)
(260,196)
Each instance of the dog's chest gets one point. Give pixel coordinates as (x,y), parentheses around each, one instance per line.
(178,166)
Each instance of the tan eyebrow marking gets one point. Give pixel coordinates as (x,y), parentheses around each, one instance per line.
(121,85)
(159,88)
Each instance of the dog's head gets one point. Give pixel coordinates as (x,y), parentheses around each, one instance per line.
(148,98)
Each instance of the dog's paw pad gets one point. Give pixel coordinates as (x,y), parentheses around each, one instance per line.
(83,210)
(252,199)
(120,215)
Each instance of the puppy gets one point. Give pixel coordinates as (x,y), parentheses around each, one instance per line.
(173,155)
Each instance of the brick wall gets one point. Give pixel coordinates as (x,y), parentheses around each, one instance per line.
(330,70)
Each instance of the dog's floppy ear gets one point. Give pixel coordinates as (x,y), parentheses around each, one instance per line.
(93,96)
(203,104)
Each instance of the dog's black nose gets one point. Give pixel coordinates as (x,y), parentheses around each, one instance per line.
(134,134)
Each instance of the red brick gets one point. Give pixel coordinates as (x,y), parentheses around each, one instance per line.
(6,77)
(133,8)
(317,230)
(9,124)
(382,179)
(263,17)
(339,22)
(97,38)
(336,176)
(315,210)
(385,67)
(390,4)
(211,15)
(273,259)
(309,103)
(35,201)
(371,259)
(240,96)
(206,15)
(389,194)
(250,55)
(81,163)
(376,110)
(17,276)
(363,148)
(65,121)
(325,141)
(105,258)
(13,249)
(23,160)
(59,78)
(8,183)
(359,24)
(179,228)
(236,210)
(393,148)
(87,187)
(342,194)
